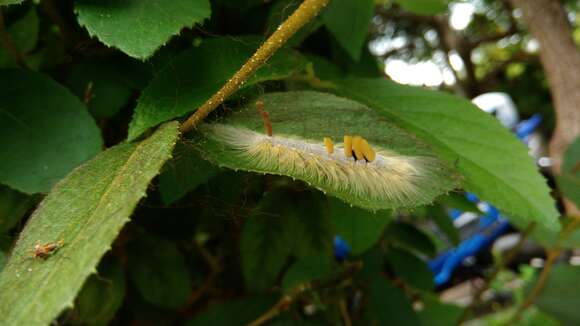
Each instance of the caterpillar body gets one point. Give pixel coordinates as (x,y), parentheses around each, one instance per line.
(376,178)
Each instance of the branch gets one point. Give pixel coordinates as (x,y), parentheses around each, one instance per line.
(8,43)
(307,10)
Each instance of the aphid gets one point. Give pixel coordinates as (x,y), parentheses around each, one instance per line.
(329,145)
(265,117)
(47,249)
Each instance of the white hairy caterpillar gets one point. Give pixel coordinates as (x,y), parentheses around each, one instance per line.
(376,166)
(388,180)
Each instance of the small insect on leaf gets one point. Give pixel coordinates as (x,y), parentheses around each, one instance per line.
(45,250)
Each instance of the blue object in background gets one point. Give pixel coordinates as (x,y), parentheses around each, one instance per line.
(491,225)
(341,248)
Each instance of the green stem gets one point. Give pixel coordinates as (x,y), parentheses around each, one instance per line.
(303,14)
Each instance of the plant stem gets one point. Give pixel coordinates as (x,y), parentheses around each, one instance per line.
(303,14)
(8,43)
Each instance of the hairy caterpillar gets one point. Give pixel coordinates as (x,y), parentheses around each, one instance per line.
(373,164)
(352,171)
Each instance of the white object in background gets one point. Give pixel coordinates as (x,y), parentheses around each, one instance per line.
(499,105)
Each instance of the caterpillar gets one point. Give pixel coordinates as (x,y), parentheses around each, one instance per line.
(357,172)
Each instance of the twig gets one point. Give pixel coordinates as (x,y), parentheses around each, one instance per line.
(8,43)
(344,312)
(303,14)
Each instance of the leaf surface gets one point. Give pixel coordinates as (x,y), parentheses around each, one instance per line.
(495,164)
(139,27)
(86,210)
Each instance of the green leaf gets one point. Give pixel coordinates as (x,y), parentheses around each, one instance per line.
(306,270)
(195,75)
(408,236)
(86,210)
(388,305)
(360,228)
(45,131)
(13,206)
(24,34)
(160,272)
(410,269)
(101,296)
(458,201)
(349,21)
(184,173)
(284,224)
(495,164)
(445,224)
(404,174)
(10,2)
(569,179)
(236,312)
(139,27)
(436,313)
(559,297)
(424,7)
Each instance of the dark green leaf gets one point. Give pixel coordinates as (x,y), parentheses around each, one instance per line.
(237,312)
(360,228)
(424,7)
(24,34)
(13,206)
(9,2)
(139,27)
(349,21)
(444,223)
(388,305)
(86,210)
(410,269)
(45,131)
(184,173)
(407,236)
(102,84)
(560,295)
(101,296)
(436,313)
(284,224)
(457,201)
(480,154)
(307,269)
(160,272)
(195,75)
